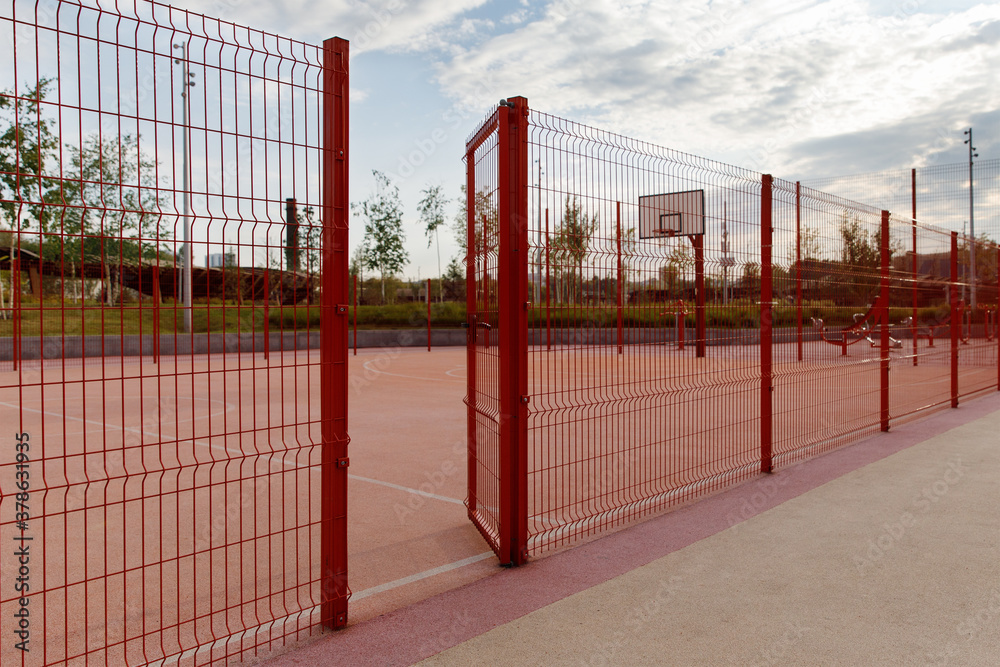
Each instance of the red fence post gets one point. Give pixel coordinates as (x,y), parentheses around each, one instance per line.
(267,313)
(15,287)
(913,288)
(699,288)
(156,310)
(513,299)
(955,320)
(798,264)
(548,288)
(766,296)
(333,335)
(996,318)
(355,300)
(618,237)
(884,342)
(471,255)
(428,314)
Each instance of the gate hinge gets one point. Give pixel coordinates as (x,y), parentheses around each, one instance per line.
(344,462)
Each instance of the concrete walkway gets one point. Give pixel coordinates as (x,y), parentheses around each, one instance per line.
(885,552)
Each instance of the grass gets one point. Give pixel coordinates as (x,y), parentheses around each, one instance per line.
(51,318)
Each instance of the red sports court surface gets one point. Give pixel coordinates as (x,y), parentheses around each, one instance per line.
(409,535)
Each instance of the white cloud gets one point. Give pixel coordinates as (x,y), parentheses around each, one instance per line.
(393,25)
(743,81)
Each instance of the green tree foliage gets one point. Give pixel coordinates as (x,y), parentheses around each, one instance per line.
(100,206)
(432,217)
(28,157)
(384,236)
(454,281)
(113,211)
(861,256)
(571,244)
(486,223)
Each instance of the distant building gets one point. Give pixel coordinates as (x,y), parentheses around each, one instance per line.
(218,260)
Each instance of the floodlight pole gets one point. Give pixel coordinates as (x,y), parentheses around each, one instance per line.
(187,288)
(972,225)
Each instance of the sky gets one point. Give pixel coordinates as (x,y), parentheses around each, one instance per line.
(802,89)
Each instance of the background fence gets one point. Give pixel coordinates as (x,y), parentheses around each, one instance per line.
(937,192)
(650,326)
(185,505)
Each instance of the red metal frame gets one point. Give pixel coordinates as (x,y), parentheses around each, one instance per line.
(333,369)
(915,317)
(884,267)
(956,319)
(513,301)
(615,421)
(766,322)
(194,482)
(798,265)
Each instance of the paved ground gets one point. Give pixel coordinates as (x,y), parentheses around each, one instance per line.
(884,552)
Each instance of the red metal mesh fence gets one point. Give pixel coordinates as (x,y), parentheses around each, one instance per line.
(483,364)
(616,427)
(936,193)
(689,323)
(173,484)
(826,390)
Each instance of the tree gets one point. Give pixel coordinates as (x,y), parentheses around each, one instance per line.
(487,220)
(383,243)
(432,217)
(454,281)
(572,243)
(113,213)
(28,157)
(861,255)
(28,146)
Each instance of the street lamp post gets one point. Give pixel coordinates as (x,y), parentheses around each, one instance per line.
(187,288)
(972,225)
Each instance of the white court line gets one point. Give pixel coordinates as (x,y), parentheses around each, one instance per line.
(457,368)
(251,633)
(381,588)
(400,375)
(153,434)
(407,489)
(229,407)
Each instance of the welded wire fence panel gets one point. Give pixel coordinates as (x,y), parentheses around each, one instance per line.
(826,263)
(483,396)
(977,353)
(168,486)
(690,324)
(920,303)
(939,193)
(644,275)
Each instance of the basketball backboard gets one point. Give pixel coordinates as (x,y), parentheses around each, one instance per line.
(672,214)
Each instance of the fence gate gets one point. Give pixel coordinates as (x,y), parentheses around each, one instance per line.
(496,159)
(175,491)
